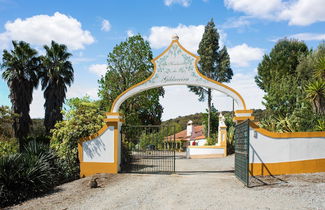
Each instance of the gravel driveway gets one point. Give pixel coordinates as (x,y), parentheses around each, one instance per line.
(198,184)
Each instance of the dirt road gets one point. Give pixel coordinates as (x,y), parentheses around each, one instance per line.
(198,184)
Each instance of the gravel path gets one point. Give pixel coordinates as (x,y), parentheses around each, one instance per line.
(198,184)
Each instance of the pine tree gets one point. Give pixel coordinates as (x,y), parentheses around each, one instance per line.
(214,63)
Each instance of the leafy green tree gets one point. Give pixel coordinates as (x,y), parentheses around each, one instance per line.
(128,64)
(6,120)
(56,75)
(21,68)
(314,65)
(279,78)
(214,63)
(214,122)
(82,119)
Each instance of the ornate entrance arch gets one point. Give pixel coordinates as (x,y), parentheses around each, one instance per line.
(177,66)
(101,152)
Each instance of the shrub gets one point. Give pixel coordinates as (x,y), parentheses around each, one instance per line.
(83,119)
(27,174)
(8,147)
(230,140)
(212,140)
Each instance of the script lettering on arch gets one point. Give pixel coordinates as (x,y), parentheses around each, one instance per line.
(177,66)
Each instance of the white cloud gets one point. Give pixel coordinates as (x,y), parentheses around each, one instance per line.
(80,90)
(130,33)
(237,22)
(37,105)
(296,12)
(106,25)
(42,29)
(99,69)
(184,3)
(304,12)
(260,8)
(189,36)
(308,36)
(245,85)
(189,103)
(241,55)
(303,37)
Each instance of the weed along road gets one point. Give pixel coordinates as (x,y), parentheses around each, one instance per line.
(198,184)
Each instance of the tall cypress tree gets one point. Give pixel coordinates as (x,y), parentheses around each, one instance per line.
(214,63)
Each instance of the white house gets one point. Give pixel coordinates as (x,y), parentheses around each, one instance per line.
(193,135)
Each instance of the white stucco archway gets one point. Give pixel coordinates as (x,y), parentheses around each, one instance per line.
(177,66)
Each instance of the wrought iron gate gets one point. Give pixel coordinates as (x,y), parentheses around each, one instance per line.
(151,149)
(242,152)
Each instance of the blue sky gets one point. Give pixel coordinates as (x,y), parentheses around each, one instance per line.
(91,29)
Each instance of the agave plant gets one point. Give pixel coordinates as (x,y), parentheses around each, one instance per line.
(320,126)
(319,72)
(26,174)
(316,94)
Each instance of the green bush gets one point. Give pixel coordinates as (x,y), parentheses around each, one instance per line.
(212,140)
(230,140)
(8,147)
(27,174)
(82,119)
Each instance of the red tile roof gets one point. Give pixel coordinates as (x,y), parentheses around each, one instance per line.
(182,135)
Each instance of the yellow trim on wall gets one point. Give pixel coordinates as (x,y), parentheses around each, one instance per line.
(114,114)
(243,118)
(244,111)
(197,58)
(294,167)
(286,135)
(92,136)
(91,168)
(114,120)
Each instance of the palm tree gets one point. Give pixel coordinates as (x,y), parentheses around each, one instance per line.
(57,73)
(21,67)
(316,94)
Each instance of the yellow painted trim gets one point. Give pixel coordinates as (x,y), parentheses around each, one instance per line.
(80,152)
(116,141)
(91,168)
(286,135)
(114,120)
(114,114)
(244,111)
(207,147)
(197,58)
(243,118)
(140,83)
(92,136)
(294,167)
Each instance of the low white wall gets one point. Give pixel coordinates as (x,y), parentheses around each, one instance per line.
(193,151)
(265,149)
(200,142)
(101,148)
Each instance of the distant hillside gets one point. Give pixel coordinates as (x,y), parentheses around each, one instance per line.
(198,118)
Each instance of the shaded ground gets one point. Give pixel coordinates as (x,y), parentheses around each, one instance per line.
(198,184)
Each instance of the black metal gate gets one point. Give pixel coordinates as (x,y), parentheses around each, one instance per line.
(151,149)
(242,152)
